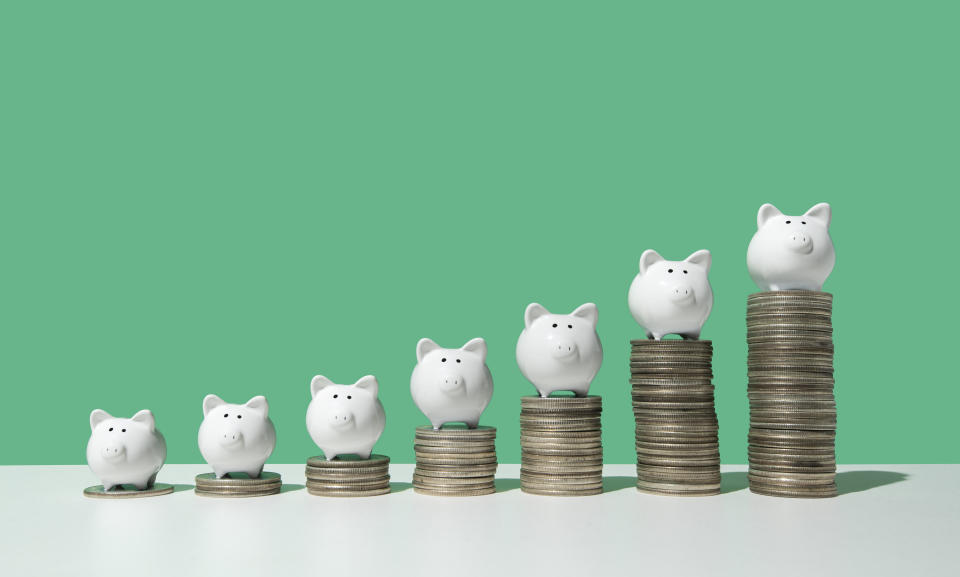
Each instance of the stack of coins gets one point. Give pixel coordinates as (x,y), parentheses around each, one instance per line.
(793,413)
(208,485)
(455,461)
(348,476)
(560,444)
(678,451)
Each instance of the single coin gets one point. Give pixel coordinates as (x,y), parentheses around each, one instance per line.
(211,480)
(561,492)
(347,461)
(226,494)
(455,492)
(348,493)
(455,472)
(97,492)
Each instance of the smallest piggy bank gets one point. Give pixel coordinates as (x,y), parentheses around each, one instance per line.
(125,451)
(451,385)
(560,352)
(236,438)
(345,419)
(791,252)
(671,297)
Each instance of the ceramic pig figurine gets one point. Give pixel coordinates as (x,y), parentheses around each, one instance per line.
(452,385)
(791,252)
(560,352)
(345,419)
(671,297)
(125,451)
(236,438)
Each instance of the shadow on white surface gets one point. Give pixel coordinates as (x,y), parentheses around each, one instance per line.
(731,481)
(857,481)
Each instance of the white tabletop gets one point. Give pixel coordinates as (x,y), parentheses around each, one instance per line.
(889,520)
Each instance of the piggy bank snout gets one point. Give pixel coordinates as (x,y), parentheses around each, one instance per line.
(113,452)
(451,382)
(682,293)
(341,419)
(563,349)
(799,241)
(230,438)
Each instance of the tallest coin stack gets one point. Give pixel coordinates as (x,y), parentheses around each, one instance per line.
(793,414)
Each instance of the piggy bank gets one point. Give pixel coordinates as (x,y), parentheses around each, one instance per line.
(451,385)
(791,252)
(345,419)
(670,297)
(236,438)
(125,451)
(560,352)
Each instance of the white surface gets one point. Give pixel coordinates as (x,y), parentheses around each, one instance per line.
(880,525)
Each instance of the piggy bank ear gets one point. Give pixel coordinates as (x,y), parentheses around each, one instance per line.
(820,212)
(648,258)
(211,402)
(98,416)
(318,383)
(765,213)
(258,404)
(145,417)
(425,346)
(701,257)
(533,312)
(368,383)
(587,311)
(478,346)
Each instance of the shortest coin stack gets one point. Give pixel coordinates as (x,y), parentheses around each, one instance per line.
(208,485)
(455,461)
(348,476)
(560,444)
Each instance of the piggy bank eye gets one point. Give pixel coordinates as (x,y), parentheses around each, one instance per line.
(123,430)
(670,270)
(569,326)
(554,325)
(788,222)
(335,396)
(238,416)
(684,272)
(110,429)
(225,415)
(349,396)
(803,222)
(458,360)
(443,360)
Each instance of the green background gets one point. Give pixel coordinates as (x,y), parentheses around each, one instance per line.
(231,197)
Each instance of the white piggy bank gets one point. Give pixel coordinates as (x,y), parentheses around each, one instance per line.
(125,451)
(672,297)
(236,438)
(560,352)
(451,385)
(791,252)
(345,419)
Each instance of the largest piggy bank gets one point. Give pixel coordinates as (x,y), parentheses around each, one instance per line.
(452,385)
(125,451)
(560,352)
(345,419)
(236,438)
(672,297)
(791,252)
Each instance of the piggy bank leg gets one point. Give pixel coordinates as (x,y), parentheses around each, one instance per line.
(691,336)
(329,454)
(152,480)
(255,473)
(649,335)
(219,473)
(436,425)
(365,454)
(108,486)
(143,485)
(472,424)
